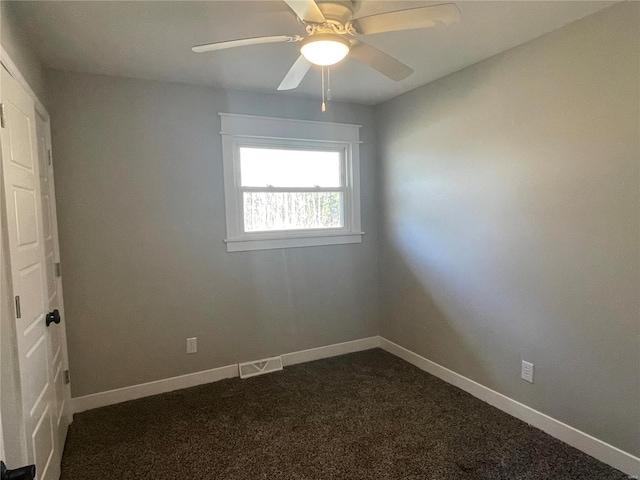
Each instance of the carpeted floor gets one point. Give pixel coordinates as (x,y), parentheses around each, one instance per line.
(367,415)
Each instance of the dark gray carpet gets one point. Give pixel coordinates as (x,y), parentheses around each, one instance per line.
(367,415)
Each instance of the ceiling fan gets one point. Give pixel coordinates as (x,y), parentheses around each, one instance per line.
(332,29)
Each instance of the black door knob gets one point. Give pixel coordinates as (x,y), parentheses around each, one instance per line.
(53,317)
(24,473)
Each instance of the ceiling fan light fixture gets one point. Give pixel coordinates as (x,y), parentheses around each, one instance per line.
(324,49)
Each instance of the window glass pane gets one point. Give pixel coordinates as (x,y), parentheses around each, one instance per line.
(265,211)
(260,167)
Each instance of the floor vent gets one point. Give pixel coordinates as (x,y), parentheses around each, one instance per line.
(260,367)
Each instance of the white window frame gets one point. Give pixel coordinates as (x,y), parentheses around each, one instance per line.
(250,131)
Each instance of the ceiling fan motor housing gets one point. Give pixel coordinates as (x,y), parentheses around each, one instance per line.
(337,11)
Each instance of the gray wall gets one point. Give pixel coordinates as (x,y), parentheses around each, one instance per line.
(509,197)
(141,218)
(16,44)
(511,220)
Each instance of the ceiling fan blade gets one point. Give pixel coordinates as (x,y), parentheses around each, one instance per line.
(295,74)
(306,10)
(380,61)
(422,17)
(210,47)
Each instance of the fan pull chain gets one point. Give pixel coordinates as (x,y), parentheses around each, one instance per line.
(328,84)
(324,106)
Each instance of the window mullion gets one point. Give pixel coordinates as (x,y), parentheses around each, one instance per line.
(292,189)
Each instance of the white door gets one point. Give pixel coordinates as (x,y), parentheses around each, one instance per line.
(57,334)
(25,226)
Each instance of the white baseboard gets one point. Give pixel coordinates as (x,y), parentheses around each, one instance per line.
(119,395)
(330,351)
(604,452)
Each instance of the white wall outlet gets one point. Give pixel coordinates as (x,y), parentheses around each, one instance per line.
(527,371)
(192,345)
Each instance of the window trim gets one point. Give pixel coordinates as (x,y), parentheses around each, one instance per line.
(245,130)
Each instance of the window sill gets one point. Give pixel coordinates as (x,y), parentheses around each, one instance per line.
(248,244)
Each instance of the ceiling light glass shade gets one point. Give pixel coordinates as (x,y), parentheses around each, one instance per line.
(324,48)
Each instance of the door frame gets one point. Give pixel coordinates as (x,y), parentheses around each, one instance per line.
(11,405)
(3,457)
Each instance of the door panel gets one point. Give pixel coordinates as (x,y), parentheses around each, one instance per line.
(51,277)
(58,382)
(31,302)
(20,164)
(46,218)
(20,140)
(42,444)
(26,216)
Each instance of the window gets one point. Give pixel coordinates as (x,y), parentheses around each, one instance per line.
(291,189)
(290,183)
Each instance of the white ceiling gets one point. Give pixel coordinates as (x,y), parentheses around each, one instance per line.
(152,40)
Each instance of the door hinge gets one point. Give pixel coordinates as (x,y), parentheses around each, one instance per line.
(50,157)
(65,377)
(2,115)
(58,274)
(18,312)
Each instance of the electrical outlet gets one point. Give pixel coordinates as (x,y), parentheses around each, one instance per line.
(192,345)
(527,371)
